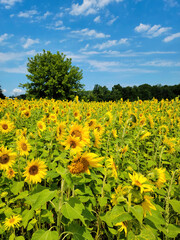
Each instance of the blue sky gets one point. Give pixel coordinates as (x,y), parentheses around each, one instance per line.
(126,42)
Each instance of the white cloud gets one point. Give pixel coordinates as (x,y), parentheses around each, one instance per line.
(111,43)
(4,90)
(131,53)
(17,91)
(151,32)
(97,19)
(112,20)
(103,65)
(5,36)
(10,56)
(30,42)
(85,48)
(161,63)
(58,23)
(90,33)
(90,6)
(47,42)
(28,14)
(171,3)
(172,37)
(20,69)
(9,3)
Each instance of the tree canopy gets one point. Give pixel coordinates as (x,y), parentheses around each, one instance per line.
(1,93)
(52,76)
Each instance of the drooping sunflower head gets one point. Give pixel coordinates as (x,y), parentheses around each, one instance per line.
(23,146)
(81,163)
(12,222)
(6,126)
(147,205)
(7,158)
(10,173)
(111,165)
(35,171)
(157,177)
(139,183)
(122,226)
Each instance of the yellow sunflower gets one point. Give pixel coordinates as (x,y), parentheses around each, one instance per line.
(138,180)
(74,144)
(123,226)
(26,113)
(23,146)
(97,138)
(35,171)
(147,205)
(80,132)
(60,130)
(99,128)
(81,163)
(7,158)
(91,123)
(12,222)
(41,126)
(10,173)
(145,135)
(6,126)
(111,164)
(157,176)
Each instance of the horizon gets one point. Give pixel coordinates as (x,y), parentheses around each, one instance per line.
(124,42)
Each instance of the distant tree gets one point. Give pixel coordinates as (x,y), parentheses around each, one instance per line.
(116,92)
(101,93)
(52,76)
(1,94)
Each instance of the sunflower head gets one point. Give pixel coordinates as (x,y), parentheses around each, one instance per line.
(7,158)
(6,126)
(35,171)
(23,146)
(41,126)
(12,222)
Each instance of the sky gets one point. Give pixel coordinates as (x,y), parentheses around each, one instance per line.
(126,42)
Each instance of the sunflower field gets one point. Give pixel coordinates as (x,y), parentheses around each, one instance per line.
(89,170)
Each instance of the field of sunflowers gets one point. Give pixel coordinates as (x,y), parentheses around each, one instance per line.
(83,171)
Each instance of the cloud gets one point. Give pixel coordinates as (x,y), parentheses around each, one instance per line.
(90,6)
(30,42)
(9,3)
(111,43)
(97,19)
(171,37)
(10,56)
(151,32)
(131,53)
(20,69)
(90,33)
(5,36)
(17,91)
(112,20)
(161,63)
(4,90)
(171,3)
(28,14)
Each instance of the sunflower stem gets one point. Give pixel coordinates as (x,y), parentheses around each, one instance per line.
(59,214)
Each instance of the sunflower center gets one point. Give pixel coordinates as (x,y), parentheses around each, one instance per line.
(90,123)
(11,220)
(4,159)
(27,114)
(59,131)
(79,166)
(5,126)
(77,133)
(73,144)
(40,126)
(24,146)
(33,170)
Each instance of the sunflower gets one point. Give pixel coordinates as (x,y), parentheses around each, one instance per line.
(123,226)
(41,126)
(114,133)
(147,205)
(10,173)
(26,113)
(12,222)
(60,130)
(111,164)
(23,146)
(145,135)
(74,144)
(91,123)
(7,158)
(99,128)
(6,126)
(120,194)
(80,132)
(35,171)
(97,138)
(139,181)
(157,176)
(81,163)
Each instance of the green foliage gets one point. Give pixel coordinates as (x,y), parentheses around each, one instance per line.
(52,76)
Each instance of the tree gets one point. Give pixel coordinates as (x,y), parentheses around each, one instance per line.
(1,94)
(52,76)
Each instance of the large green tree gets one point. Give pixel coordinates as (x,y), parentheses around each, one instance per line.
(1,93)
(52,76)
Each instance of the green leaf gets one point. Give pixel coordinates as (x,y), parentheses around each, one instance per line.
(137,211)
(121,218)
(45,235)
(73,210)
(17,187)
(19,238)
(12,236)
(172,231)
(79,232)
(102,201)
(26,216)
(176,205)
(37,200)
